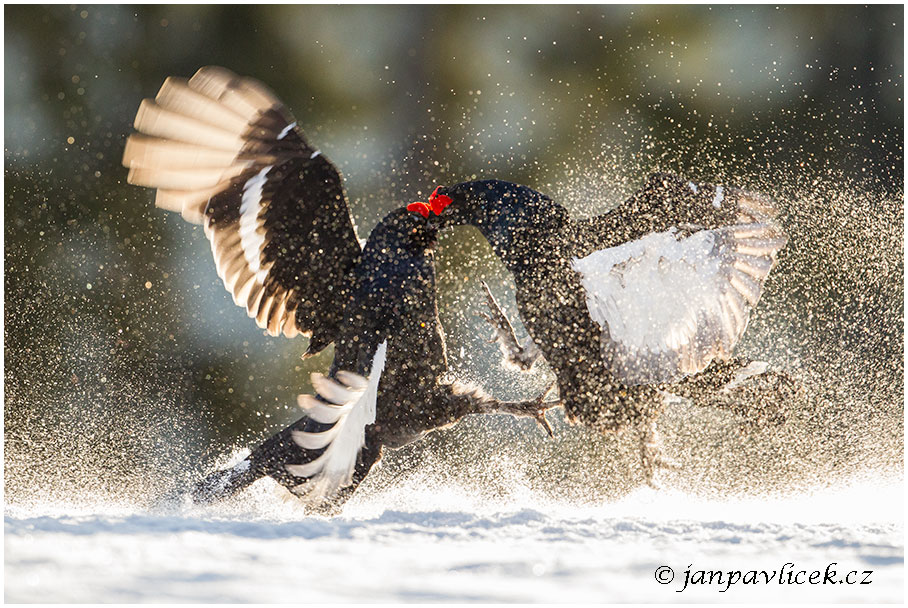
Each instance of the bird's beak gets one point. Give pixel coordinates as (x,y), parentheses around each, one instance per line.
(446,219)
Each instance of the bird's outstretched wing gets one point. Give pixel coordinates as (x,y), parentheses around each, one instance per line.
(664,202)
(671,302)
(226,153)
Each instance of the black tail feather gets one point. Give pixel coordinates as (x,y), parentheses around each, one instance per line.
(270,458)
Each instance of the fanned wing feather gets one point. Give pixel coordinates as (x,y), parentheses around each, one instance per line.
(669,304)
(348,403)
(667,201)
(224,152)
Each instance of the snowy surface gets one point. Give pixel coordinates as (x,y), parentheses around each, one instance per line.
(440,544)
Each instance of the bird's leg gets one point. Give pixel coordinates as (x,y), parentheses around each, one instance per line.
(633,409)
(327,508)
(534,408)
(522,356)
(651,457)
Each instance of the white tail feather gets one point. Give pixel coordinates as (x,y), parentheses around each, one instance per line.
(353,380)
(333,391)
(325,413)
(177,200)
(180,179)
(316,441)
(249,101)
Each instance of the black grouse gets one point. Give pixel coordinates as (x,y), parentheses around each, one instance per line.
(652,296)
(227,154)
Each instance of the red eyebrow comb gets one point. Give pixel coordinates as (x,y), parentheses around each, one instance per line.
(420,208)
(437,203)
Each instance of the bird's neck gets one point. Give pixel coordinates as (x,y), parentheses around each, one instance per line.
(523,248)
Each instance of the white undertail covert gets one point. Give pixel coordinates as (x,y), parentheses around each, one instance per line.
(671,302)
(349,403)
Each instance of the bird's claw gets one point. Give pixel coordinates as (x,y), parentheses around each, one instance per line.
(534,409)
(542,421)
(540,412)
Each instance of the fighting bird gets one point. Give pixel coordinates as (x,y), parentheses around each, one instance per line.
(225,152)
(650,297)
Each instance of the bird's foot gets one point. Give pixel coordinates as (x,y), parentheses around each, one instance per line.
(535,408)
(652,459)
(521,356)
(541,409)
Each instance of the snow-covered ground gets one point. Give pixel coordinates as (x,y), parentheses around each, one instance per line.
(441,543)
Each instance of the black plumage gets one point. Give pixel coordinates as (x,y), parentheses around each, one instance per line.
(226,153)
(392,302)
(591,292)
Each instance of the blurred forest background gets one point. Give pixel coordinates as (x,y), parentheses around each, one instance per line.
(127,366)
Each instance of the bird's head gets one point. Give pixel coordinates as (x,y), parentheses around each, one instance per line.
(510,216)
(488,204)
(403,233)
